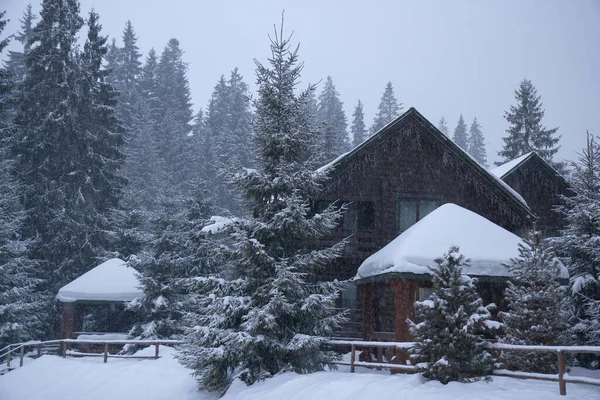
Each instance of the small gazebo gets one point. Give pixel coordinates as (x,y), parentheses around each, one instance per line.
(111,283)
(392,279)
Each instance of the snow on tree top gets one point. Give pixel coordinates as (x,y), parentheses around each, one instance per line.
(505,168)
(112,280)
(487,245)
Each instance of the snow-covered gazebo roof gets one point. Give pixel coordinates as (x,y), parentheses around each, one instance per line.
(487,246)
(111,281)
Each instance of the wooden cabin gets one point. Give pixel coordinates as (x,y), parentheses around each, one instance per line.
(540,185)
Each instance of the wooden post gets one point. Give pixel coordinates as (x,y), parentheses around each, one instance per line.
(562,385)
(22,355)
(39,350)
(8,358)
(156,351)
(352,358)
(105,352)
(64,348)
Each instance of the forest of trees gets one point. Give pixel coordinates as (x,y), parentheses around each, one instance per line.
(102,156)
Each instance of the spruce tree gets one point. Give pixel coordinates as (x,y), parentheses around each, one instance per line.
(578,245)
(388,110)
(443,126)
(68,147)
(460,134)
(334,137)
(476,143)
(358,128)
(526,132)
(448,344)
(20,305)
(265,312)
(16,59)
(537,308)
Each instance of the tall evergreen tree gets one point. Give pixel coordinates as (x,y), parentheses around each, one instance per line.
(476,143)
(388,110)
(16,59)
(19,302)
(538,308)
(443,126)
(448,343)
(68,146)
(358,128)
(460,134)
(334,137)
(579,243)
(265,313)
(526,132)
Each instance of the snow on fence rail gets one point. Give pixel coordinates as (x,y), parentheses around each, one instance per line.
(562,377)
(63,344)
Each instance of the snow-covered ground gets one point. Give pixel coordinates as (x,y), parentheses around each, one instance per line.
(55,378)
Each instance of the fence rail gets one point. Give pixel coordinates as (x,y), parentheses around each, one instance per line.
(562,377)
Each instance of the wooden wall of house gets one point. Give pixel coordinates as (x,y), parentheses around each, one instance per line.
(405,163)
(541,190)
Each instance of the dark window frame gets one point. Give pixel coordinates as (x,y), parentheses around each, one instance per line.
(416,198)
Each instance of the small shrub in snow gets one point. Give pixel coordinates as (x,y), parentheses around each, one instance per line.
(448,336)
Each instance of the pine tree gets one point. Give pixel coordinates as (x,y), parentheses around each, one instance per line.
(537,314)
(265,313)
(19,303)
(460,134)
(443,126)
(334,137)
(68,147)
(388,110)
(358,128)
(447,344)
(578,244)
(526,132)
(16,59)
(240,119)
(476,143)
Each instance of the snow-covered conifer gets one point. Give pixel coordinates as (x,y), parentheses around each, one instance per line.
(388,109)
(443,126)
(358,128)
(447,331)
(537,307)
(333,139)
(460,134)
(265,312)
(476,143)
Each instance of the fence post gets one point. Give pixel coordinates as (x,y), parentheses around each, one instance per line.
(8,357)
(105,352)
(352,358)
(156,351)
(562,385)
(39,350)
(22,355)
(64,346)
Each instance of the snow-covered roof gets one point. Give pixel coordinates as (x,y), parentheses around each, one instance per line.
(112,280)
(505,168)
(487,245)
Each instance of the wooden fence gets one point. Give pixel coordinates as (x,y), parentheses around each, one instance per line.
(62,347)
(562,378)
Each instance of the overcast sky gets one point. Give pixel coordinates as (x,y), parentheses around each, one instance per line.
(443,57)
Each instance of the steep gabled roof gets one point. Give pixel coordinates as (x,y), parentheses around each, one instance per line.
(510,167)
(413,116)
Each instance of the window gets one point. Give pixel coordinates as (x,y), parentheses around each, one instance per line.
(360,216)
(411,209)
(424,293)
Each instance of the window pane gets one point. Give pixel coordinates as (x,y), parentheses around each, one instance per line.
(407,213)
(350,218)
(426,206)
(366,216)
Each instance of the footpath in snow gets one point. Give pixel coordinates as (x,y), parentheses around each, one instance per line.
(55,378)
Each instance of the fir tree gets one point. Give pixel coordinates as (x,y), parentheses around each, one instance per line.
(16,59)
(526,132)
(476,143)
(68,147)
(19,302)
(537,314)
(334,137)
(460,134)
(579,243)
(265,313)
(447,344)
(388,110)
(443,126)
(358,128)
